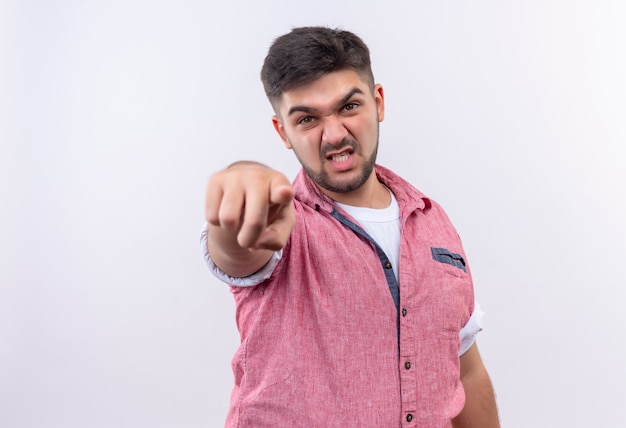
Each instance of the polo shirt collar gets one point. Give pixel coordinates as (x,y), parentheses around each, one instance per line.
(407,196)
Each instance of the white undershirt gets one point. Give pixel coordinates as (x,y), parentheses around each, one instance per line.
(382,225)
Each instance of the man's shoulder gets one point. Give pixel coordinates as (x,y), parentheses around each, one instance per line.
(404,191)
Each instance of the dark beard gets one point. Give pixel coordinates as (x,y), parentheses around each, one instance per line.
(322,179)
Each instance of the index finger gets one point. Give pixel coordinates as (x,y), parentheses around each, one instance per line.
(255,211)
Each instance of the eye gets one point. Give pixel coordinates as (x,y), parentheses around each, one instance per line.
(350,107)
(305,120)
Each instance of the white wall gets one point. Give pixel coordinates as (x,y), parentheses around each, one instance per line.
(114,113)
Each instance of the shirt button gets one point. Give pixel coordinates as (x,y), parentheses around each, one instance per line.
(403,312)
(407,365)
(387,265)
(409,417)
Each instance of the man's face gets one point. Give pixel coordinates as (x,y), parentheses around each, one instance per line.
(332,126)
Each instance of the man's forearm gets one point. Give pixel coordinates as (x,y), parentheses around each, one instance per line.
(480,409)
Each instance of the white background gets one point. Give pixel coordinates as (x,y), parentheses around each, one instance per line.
(114,114)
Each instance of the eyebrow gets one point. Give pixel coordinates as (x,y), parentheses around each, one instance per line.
(338,104)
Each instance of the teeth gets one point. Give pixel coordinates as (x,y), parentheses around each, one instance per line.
(341,158)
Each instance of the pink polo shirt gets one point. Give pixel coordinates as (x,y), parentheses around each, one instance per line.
(322,342)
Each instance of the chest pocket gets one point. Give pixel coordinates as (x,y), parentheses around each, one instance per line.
(451,296)
(445,256)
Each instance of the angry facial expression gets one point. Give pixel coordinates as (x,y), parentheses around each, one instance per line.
(331,125)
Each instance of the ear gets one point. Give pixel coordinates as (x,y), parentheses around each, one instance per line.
(379,96)
(280,129)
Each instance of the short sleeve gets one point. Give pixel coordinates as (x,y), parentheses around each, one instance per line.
(470,330)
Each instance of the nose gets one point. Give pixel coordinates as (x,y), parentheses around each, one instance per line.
(334,130)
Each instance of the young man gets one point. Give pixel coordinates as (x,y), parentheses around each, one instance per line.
(354,300)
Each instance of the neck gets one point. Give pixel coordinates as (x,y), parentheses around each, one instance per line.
(372,194)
